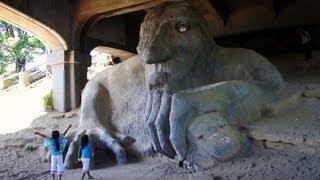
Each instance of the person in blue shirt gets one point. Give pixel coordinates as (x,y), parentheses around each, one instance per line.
(56,145)
(85,154)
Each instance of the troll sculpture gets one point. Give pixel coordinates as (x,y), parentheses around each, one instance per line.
(182,94)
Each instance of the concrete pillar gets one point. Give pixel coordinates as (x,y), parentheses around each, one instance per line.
(60,78)
(74,88)
(69,76)
(78,64)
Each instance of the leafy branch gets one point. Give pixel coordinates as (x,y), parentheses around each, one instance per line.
(17,46)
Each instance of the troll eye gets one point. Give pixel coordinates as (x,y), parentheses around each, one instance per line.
(183,28)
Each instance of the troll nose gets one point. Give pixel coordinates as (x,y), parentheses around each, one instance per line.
(155,54)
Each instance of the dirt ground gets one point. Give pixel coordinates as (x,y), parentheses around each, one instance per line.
(286,147)
(20,159)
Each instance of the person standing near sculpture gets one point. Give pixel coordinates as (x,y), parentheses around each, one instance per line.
(305,41)
(56,145)
(85,154)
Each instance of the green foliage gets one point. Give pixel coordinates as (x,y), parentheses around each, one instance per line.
(3,65)
(48,102)
(17,46)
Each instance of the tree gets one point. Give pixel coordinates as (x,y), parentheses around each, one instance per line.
(17,46)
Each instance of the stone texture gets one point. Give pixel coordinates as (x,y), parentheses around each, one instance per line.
(183,94)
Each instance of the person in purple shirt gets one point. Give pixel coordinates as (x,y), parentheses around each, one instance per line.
(56,145)
(85,154)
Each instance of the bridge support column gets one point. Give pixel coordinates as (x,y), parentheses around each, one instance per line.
(78,76)
(69,77)
(59,67)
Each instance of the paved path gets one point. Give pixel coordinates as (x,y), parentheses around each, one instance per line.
(18,108)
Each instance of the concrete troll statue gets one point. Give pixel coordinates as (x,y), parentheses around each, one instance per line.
(182,95)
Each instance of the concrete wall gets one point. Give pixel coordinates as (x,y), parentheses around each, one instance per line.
(281,40)
(259,16)
(121,32)
(109,30)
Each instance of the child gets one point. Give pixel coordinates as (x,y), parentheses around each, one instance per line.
(56,146)
(85,153)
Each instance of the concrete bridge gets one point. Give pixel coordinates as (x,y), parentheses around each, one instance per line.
(72,28)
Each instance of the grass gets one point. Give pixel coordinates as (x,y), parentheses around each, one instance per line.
(48,102)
